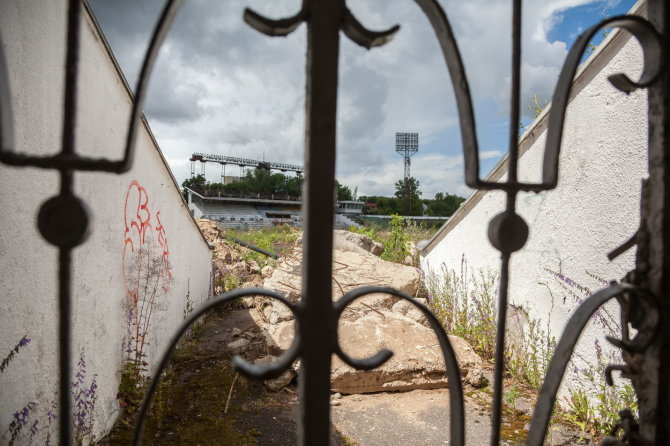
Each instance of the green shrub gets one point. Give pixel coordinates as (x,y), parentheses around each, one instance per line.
(395,249)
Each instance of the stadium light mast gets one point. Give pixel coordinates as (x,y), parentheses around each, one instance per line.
(406,145)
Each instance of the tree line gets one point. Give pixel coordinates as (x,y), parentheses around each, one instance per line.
(257,181)
(407,199)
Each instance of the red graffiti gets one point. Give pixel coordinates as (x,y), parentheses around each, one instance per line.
(139,240)
(165,255)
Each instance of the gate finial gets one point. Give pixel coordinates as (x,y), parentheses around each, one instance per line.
(350,26)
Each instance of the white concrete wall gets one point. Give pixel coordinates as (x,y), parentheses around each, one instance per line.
(33,38)
(592,211)
(194,204)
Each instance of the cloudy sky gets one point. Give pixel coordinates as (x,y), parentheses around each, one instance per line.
(220,87)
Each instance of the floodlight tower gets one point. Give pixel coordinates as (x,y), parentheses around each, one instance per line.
(406,144)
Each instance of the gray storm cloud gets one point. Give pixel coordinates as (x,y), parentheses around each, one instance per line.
(221,87)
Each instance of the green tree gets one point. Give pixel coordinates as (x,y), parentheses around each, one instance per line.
(343,192)
(383,205)
(294,185)
(386,206)
(197,183)
(444,205)
(408,195)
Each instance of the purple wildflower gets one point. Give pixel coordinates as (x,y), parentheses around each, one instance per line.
(51,414)
(599,350)
(84,399)
(22,343)
(33,428)
(20,419)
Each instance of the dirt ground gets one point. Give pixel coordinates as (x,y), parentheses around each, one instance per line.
(203,401)
(196,405)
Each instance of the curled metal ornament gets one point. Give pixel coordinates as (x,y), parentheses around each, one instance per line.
(64,221)
(445,36)
(274,28)
(456,412)
(354,30)
(351,27)
(563,353)
(264,371)
(653,65)
(71,160)
(650,41)
(160,32)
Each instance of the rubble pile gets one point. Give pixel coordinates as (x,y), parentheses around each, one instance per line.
(368,324)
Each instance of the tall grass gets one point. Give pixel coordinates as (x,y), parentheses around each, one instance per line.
(465,304)
(268,238)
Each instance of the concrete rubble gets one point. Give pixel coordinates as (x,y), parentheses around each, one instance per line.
(360,240)
(367,325)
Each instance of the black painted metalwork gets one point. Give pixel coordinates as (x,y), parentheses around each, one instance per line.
(253,248)
(64,219)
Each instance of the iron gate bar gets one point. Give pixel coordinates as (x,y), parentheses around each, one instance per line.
(296,350)
(318,326)
(267,371)
(650,41)
(563,354)
(652,384)
(63,220)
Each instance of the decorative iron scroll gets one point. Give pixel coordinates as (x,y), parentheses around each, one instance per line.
(63,220)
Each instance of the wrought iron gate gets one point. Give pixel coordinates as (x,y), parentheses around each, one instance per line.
(64,219)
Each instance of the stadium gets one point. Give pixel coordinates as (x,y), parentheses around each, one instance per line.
(248,210)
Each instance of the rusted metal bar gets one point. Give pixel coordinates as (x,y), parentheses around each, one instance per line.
(63,219)
(318,327)
(253,248)
(652,384)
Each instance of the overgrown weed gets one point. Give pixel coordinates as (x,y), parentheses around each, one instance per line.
(272,239)
(528,358)
(465,304)
(395,248)
(591,404)
(399,239)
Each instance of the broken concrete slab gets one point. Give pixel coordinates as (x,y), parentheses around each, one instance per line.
(360,240)
(239,345)
(286,278)
(417,362)
(351,269)
(406,308)
(279,313)
(279,337)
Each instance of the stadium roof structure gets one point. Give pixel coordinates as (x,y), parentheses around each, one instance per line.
(223,159)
